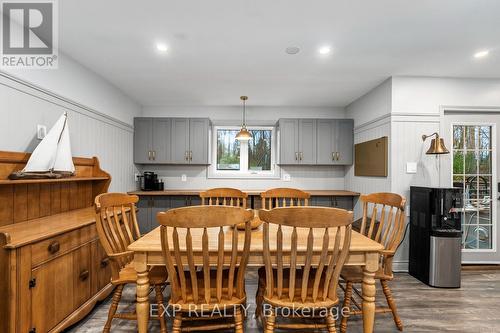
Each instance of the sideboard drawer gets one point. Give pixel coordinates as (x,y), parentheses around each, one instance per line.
(55,246)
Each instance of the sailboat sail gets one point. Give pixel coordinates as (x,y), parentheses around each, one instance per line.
(52,157)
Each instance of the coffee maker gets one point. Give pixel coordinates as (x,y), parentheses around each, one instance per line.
(150,182)
(436,236)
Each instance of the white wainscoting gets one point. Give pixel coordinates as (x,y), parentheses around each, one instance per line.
(23,106)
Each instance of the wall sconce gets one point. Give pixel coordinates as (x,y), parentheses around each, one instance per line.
(437,145)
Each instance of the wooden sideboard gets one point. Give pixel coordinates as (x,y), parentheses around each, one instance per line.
(52,266)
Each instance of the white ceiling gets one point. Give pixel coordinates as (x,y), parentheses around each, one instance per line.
(221,49)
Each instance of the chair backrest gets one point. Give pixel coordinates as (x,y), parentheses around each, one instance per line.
(384,221)
(330,228)
(224,196)
(284,197)
(193,227)
(117,227)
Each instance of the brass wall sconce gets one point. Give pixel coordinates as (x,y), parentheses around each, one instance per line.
(437,145)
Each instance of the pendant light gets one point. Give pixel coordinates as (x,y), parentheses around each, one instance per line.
(244,134)
(437,145)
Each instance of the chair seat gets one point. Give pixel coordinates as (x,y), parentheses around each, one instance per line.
(157,275)
(296,302)
(190,305)
(355,274)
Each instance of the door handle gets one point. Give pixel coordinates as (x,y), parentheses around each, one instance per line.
(333,156)
(149,155)
(301,156)
(190,155)
(154,155)
(186,155)
(338,156)
(296,156)
(53,247)
(84,275)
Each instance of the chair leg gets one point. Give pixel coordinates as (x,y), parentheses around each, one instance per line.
(161,308)
(346,305)
(113,307)
(270,321)
(238,320)
(259,299)
(176,327)
(392,304)
(330,323)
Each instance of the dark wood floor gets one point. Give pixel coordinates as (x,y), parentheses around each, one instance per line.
(473,308)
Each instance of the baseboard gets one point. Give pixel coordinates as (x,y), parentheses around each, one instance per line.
(400,266)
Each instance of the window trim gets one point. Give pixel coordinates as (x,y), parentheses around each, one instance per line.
(494,195)
(243,173)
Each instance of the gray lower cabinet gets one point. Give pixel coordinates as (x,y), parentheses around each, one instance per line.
(335,141)
(144,214)
(171,140)
(335,202)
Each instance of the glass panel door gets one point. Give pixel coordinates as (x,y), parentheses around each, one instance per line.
(472,171)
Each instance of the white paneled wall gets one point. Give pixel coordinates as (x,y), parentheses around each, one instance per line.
(22,107)
(370,131)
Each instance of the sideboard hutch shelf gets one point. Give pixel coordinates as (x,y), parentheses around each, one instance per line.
(52,265)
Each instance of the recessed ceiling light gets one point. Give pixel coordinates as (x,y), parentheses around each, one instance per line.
(324,50)
(161,47)
(292,50)
(481,54)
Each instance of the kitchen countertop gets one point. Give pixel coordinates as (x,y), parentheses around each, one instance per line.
(316,193)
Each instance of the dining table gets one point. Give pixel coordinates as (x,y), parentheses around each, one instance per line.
(148,252)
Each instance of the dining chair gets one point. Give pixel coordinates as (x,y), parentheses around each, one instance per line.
(224,196)
(383,221)
(284,197)
(312,287)
(210,275)
(117,227)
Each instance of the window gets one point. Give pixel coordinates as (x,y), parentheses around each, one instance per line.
(473,172)
(232,158)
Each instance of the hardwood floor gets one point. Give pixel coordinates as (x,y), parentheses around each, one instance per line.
(473,308)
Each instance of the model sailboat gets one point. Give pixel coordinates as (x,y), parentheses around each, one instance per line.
(52,157)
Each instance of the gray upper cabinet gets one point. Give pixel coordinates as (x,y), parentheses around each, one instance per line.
(307,141)
(180,140)
(316,141)
(198,140)
(143,140)
(297,141)
(335,141)
(289,141)
(152,140)
(344,141)
(171,140)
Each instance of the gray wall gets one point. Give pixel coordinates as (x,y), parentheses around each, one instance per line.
(306,177)
(92,133)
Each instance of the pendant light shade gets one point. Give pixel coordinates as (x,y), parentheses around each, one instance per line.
(244,134)
(437,145)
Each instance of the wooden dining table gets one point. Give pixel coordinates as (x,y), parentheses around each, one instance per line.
(147,252)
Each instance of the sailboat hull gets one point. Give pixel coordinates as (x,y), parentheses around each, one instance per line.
(39,175)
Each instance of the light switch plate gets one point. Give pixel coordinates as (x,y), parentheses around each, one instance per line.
(287,177)
(411,167)
(184,178)
(41,131)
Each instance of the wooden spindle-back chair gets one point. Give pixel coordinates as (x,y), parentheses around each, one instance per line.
(224,196)
(284,197)
(215,275)
(117,227)
(383,221)
(282,284)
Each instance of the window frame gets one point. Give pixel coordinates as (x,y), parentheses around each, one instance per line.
(244,172)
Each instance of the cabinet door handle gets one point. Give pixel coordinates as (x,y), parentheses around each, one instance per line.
(333,156)
(104,262)
(301,155)
(338,156)
(186,155)
(296,156)
(84,275)
(54,247)
(149,155)
(190,155)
